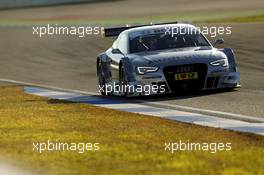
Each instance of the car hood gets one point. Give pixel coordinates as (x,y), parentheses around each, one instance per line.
(177,56)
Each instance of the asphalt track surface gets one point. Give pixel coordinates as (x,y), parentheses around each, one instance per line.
(128,9)
(69,62)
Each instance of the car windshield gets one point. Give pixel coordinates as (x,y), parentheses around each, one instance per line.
(161,41)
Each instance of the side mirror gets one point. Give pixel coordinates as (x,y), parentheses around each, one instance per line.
(116,51)
(218,41)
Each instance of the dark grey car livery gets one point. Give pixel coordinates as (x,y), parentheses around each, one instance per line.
(150,56)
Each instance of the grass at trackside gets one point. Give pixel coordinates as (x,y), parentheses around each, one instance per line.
(195,17)
(249,19)
(130,143)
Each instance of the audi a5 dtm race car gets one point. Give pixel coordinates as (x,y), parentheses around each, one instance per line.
(164,58)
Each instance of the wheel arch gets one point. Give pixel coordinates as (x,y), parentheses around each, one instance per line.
(128,68)
(103,60)
(231,58)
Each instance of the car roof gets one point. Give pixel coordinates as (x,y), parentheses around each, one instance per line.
(153,27)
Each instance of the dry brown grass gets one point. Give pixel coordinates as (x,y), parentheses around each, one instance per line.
(130,143)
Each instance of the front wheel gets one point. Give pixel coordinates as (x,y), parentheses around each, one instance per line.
(101,79)
(123,81)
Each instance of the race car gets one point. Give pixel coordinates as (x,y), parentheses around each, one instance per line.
(163,58)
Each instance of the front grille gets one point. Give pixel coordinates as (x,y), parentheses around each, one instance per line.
(191,84)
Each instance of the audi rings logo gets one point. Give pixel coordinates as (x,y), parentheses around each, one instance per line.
(185,69)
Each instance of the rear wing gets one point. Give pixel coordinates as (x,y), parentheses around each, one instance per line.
(115,31)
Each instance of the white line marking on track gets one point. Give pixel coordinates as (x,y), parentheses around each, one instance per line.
(158,104)
(172,114)
(206,111)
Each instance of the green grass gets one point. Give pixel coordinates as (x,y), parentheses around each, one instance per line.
(129,143)
(249,19)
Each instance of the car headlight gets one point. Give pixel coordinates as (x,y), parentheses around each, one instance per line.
(143,70)
(222,63)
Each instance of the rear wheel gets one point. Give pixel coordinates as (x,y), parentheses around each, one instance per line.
(101,79)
